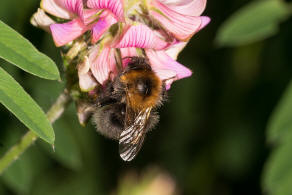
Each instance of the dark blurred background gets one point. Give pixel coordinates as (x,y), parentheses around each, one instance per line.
(210,139)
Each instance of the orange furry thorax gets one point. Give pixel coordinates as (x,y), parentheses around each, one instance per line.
(137,100)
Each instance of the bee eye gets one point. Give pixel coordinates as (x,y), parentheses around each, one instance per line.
(144,87)
(141,87)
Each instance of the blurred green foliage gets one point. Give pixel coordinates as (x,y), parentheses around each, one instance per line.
(256,21)
(211,136)
(278,171)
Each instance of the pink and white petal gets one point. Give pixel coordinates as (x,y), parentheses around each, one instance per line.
(41,20)
(165,67)
(129,52)
(84,67)
(175,49)
(75,6)
(89,15)
(164,74)
(140,36)
(101,26)
(115,6)
(205,21)
(186,7)
(86,81)
(67,32)
(181,26)
(56,8)
(102,63)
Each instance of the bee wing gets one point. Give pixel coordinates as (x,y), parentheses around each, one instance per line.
(131,139)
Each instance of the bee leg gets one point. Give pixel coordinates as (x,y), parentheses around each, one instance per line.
(164,95)
(109,120)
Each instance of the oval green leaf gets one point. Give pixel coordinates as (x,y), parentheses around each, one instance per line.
(17,101)
(19,51)
(254,22)
(280,123)
(277,174)
(278,170)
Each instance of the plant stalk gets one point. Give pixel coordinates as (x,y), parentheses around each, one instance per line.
(29,138)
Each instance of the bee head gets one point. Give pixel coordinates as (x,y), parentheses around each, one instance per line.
(143,87)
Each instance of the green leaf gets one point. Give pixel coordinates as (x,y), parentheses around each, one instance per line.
(17,101)
(280,123)
(17,50)
(278,170)
(254,22)
(277,174)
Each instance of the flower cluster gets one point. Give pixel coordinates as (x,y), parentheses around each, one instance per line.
(155,29)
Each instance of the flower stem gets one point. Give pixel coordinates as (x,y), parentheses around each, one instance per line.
(53,114)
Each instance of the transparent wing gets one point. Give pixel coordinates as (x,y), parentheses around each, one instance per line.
(131,139)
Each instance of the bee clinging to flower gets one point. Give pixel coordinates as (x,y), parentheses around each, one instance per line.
(124,56)
(126,110)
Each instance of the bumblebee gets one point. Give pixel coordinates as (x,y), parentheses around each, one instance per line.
(126,108)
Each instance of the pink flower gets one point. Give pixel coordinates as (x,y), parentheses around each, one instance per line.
(98,18)
(181,18)
(161,53)
(157,51)
(134,37)
(175,22)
